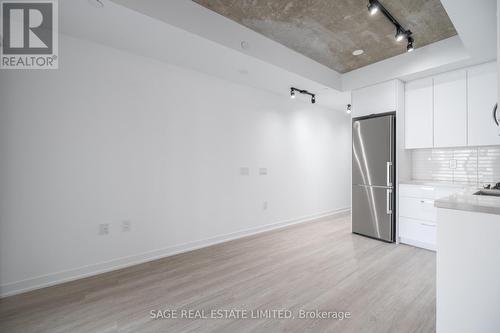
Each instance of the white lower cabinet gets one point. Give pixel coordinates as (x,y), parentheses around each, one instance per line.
(417,214)
(418,233)
(417,208)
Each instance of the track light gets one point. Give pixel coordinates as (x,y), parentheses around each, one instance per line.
(373,7)
(96,3)
(399,35)
(348,110)
(409,47)
(293,90)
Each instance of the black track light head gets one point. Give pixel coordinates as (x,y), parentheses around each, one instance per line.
(373,7)
(313,99)
(409,47)
(292,93)
(400,34)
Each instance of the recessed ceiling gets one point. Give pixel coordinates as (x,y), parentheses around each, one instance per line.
(329,31)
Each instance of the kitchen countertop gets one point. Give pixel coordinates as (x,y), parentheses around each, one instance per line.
(436,183)
(468,202)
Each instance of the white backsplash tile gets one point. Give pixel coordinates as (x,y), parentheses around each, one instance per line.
(489,165)
(466,166)
(479,165)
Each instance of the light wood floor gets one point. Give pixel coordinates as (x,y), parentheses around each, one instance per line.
(316,265)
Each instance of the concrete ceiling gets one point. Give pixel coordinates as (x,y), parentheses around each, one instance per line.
(329,31)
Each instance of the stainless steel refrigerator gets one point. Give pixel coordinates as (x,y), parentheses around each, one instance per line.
(373,176)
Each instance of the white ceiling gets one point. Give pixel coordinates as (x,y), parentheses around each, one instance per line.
(188,35)
(122,28)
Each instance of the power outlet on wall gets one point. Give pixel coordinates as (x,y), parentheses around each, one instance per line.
(453,164)
(126,226)
(244,171)
(262,171)
(104,229)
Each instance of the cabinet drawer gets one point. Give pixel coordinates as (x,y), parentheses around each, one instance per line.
(416,191)
(417,208)
(417,233)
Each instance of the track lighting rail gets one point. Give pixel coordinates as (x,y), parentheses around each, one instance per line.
(301,91)
(374,6)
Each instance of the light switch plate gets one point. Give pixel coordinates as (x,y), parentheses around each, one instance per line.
(126,226)
(103,229)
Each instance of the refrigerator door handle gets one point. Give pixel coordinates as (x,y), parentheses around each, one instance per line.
(388,174)
(388,201)
(495,110)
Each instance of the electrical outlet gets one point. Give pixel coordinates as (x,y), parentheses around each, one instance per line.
(244,171)
(262,171)
(264,205)
(126,226)
(103,229)
(453,164)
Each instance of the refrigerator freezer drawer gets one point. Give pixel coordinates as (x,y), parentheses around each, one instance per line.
(372,212)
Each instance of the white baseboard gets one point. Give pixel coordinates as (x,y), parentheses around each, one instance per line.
(416,243)
(95,269)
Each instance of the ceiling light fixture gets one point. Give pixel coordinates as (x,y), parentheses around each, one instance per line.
(399,35)
(409,47)
(357,52)
(305,92)
(96,3)
(401,32)
(349,109)
(373,7)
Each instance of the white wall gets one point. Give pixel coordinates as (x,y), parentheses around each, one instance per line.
(170,43)
(112,136)
(191,16)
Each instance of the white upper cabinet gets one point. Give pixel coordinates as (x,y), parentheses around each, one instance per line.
(454,109)
(482,97)
(419,114)
(450,109)
(379,98)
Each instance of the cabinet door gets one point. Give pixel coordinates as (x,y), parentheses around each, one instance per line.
(482,96)
(418,114)
(450,109)
(375,99)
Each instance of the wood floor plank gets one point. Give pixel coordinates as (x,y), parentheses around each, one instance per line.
(316,265)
